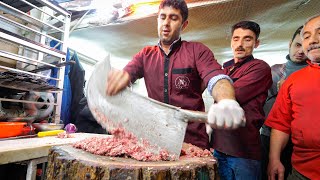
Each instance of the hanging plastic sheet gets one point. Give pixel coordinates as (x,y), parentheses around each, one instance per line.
(77,83)
(67,95)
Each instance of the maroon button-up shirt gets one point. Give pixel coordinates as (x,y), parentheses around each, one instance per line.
(251,80)
(176,79)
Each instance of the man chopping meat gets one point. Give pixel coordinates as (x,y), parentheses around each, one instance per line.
(174,71)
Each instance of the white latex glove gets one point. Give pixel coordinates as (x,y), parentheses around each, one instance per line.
(226,114)
(209,131)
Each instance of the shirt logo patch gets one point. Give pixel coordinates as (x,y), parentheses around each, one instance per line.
(182,82)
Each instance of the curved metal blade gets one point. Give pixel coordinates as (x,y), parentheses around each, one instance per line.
(160,124)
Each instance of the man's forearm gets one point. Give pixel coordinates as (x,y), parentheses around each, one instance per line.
(223,89)
(226,113)
(278,140)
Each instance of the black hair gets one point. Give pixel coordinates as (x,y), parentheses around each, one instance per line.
(177,4)
(247,25)
(297,32)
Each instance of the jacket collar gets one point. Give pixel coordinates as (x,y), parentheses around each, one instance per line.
(315,65)
(239,63)
(173,46)
(289,60)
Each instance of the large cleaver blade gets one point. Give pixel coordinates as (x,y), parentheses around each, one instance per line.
(162,125)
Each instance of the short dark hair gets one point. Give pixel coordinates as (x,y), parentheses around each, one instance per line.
(177,4)
(247,25)
(297,32)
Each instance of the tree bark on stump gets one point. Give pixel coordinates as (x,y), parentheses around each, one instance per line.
(66,162)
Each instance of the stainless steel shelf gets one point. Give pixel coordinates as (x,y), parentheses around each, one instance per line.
(9,36)
(41,20)
(24,101)
(25,82)
(23,58)
(25,89)
(39,9)
(26,17)
(29,73)
(29,29)
(55,7)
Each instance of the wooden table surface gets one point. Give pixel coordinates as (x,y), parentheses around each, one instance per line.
(31,148)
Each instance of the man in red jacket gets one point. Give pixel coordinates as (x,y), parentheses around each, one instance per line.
(174,71)
(238,151)
(296,113)
(296,60)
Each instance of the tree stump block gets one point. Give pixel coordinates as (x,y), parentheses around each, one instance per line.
(66,162)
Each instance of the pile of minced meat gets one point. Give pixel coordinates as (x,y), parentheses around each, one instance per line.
(123,144)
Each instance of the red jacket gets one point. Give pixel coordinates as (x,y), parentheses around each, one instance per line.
(252,79)
(176,79)
(295,112)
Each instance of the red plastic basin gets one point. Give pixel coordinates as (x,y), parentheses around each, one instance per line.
(10,129)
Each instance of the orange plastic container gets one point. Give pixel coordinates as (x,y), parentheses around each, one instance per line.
(10,129)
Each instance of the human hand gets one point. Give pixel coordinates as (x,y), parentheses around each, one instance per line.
(226,114)
(117,80)
(275,170)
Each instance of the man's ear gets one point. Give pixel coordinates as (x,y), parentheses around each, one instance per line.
(257,43)
(184,25)
(290,43)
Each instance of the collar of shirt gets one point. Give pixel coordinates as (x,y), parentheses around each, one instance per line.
(231,65)
(301,63)
(173,46)
(316,65)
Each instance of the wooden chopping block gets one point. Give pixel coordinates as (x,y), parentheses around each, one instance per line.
(66,162)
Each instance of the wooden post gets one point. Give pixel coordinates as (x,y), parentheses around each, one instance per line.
(66,162)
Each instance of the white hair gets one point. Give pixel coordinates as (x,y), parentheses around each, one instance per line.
(308,20)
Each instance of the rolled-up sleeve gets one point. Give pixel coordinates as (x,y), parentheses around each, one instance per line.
(135,66)
(213,81)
